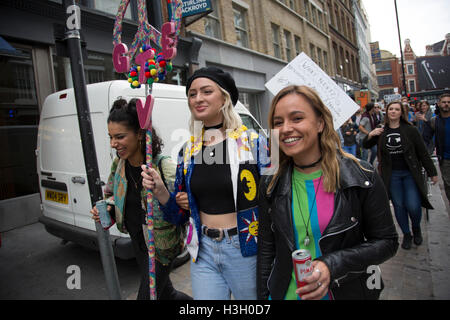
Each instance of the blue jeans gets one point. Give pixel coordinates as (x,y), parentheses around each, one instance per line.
(350,149)
(365,153)
(406,199)
(221,270)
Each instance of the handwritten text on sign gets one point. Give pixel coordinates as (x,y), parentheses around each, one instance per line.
(303,71)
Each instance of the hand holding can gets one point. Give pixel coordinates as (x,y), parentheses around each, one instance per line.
(105,219)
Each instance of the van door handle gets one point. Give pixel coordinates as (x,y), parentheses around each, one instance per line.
(79,180)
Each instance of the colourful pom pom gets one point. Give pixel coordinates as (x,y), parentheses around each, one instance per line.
(153,72)
(162,63)
(147,74)
(135,83)
(150,81)
(133,74)
(169,67)
(130,80)
(139,68)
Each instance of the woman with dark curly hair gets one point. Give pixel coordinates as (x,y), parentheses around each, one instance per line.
(127,199)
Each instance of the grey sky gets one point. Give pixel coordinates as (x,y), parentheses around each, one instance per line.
(423,22)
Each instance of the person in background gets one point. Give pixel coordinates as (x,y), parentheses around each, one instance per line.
(349,133)
(401,157)
(128,200)
(424,114)
(321,199)
(216,190)
(439,127)
(356,118)
(378,114)
(368,123)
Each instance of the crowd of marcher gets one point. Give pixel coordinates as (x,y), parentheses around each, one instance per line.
(324,195)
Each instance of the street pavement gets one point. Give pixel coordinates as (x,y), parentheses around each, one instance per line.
(421,273)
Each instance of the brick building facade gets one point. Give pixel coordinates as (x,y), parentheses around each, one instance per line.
(412,83)
(255,39)
(388,74)
(344,44)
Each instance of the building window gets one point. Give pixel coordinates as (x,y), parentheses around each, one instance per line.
(287,39)
(410,69)
(98,67)
(212,22)
(412,85)
(292,4)
(314,15)
(240,26)
(19,119)
(383,66)
(298,45)
(384,80)
(250,101)
(325,62)
(108,6)
(312,50)
(306,8)
(320,16)
(276,40)
(319,58)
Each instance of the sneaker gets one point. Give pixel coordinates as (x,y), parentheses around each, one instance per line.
(417,235)
(407,241)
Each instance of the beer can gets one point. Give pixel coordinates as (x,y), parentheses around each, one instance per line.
(303,267)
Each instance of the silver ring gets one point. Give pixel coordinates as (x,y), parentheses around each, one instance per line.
(319,284)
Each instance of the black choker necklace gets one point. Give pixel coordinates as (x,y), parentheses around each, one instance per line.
(220,125)
(308,165)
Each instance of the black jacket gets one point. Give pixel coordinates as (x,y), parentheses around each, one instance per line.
(415,154)
(436,127)
(361,233)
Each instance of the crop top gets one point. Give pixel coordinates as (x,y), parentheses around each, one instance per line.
(211,182)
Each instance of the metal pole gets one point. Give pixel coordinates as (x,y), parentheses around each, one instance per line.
(72,39)
(401,50)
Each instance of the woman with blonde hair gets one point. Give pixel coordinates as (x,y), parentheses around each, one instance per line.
(216,190)
(323,200)
(402,153)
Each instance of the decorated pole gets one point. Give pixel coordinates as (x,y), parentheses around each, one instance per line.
(150,68)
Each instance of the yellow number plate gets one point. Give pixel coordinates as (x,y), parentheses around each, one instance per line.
(60,197)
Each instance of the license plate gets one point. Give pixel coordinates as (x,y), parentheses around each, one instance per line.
(60,197)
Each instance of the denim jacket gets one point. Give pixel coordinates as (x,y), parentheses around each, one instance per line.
(248,156)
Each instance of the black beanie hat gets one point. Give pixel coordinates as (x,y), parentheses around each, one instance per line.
(222,78)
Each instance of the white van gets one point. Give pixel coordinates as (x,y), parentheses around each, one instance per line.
(63,184)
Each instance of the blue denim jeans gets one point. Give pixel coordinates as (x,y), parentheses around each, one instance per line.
(406,199)
(221,270)
(365,153)
(350,149)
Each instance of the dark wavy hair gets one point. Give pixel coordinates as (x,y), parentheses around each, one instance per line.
(125,113)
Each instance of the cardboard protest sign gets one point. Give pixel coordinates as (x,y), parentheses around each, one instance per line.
(303,71)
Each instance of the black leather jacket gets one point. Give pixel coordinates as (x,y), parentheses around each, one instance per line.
(361,233)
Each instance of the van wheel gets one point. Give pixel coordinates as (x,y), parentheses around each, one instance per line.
(181,259)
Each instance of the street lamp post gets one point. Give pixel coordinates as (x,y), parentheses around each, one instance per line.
(401,50)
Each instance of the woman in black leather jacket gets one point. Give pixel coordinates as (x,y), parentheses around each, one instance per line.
(324,200)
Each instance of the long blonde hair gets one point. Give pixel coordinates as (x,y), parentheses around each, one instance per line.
(329,142)
(231,119)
